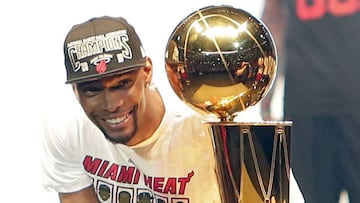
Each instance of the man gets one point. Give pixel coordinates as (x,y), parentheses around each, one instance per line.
(138,150)
(321,78)
(139,147)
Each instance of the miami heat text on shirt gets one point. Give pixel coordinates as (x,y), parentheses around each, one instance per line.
(131,175)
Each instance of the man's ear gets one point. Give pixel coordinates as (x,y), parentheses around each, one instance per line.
(148,69)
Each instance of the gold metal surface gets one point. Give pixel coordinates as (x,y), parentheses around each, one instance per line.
(221,60)
(252,161)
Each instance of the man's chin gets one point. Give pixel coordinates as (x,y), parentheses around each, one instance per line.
(119,136)
(117,140)
(121,139)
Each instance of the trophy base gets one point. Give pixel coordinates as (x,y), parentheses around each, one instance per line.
(252,160)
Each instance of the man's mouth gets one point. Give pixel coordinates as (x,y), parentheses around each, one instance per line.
(117,120)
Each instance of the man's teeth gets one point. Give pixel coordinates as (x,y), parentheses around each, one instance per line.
(116,120)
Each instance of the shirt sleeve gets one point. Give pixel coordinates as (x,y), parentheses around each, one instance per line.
(62,169)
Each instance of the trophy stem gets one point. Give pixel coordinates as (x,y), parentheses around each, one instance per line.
(226,117)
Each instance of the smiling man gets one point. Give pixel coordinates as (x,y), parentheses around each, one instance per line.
(123,139)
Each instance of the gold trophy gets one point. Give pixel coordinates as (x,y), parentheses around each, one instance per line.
(220,60)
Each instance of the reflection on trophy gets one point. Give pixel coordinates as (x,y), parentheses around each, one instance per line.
(220,60)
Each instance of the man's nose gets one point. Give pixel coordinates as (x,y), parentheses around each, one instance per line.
(112,100)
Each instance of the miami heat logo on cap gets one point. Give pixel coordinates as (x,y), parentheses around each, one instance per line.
(101,61)
(101,67)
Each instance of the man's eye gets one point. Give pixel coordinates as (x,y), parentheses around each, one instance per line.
(124,84)
(90,91)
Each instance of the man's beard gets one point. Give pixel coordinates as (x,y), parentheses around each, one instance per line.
(122,139)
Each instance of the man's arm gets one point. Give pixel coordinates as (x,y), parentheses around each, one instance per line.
(86,195)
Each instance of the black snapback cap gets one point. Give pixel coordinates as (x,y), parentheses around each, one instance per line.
(102,47)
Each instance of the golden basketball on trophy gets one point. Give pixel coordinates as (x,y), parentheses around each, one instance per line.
(220,60)
(224,58)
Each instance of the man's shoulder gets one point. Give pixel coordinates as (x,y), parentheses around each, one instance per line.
(67,123)
(184,114)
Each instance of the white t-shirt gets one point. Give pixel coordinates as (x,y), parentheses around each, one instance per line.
(174,165)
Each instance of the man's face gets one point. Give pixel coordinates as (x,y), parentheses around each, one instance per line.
(116,103)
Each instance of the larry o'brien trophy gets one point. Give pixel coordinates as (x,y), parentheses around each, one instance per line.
(220,60)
